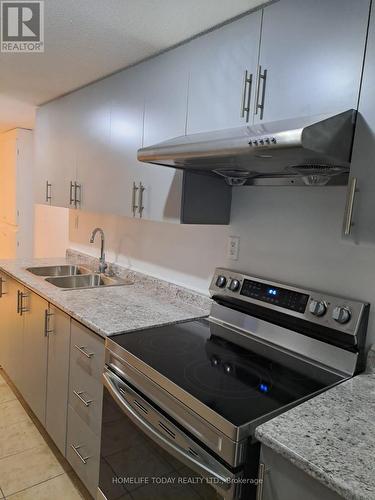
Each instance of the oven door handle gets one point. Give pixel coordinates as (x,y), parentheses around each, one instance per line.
(109,382)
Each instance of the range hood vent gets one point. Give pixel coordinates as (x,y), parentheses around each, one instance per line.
(314,151)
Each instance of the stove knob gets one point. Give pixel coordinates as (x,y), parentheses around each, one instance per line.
(273,140)
(267,141)
(221,281)
(317,308)
(261,142)
(341,314)
(234,285)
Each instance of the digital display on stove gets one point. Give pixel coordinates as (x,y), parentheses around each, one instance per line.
(288,299)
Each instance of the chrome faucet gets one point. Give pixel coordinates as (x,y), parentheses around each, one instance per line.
(102,265)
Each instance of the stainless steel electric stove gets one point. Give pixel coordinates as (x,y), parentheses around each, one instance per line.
(183,400)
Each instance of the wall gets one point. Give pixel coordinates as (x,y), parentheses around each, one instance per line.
(287,234)
(51,231)
(181,254)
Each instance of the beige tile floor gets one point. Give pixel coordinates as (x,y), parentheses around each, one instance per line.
(31,467)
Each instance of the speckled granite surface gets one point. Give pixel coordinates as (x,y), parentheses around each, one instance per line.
(107,311)
(331,437)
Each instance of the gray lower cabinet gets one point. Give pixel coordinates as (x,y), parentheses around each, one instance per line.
(359,221)
(284,481)
(12,360)
(35,348)
(85,404)
(58,331)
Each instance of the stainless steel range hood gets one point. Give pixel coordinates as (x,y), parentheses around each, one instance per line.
(306,151)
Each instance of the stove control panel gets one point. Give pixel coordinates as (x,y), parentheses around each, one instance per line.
(315,307)
(279,296)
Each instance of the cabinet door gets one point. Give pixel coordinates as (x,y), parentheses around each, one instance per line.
(127,111)
(35,353)
(94,176)
(360,228)
(58,327)
(313,53)
(13,363)
(8,176)
(8,242)
(55,151)
(218,64)
(5,311)
(283,481)
(166,96)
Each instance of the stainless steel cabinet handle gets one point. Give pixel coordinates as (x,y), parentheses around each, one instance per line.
(20,307)
(77,199)
(2,280)
(260,99)
(48,192)
(348,219)
(71,197)
(141,207)
(134,195)
(246,95)
(86,402)
(75,449)
(81,349)
(47,330)
(261,474)
(23,308)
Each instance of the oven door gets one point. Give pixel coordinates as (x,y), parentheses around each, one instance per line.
(147,456)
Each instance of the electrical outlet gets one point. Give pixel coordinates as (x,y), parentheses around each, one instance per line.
(233,247)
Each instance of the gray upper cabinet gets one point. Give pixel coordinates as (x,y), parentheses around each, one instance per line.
(166,94)
(93,106)
(359,220)
(312,52)
(126,135)
(220,61)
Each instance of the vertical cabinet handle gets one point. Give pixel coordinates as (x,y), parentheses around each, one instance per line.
(134,196)
(350,198)
(47,330)
(246,95)
(77,191)
(71,196)
(141,207)
(48,192)
(261,475)
(262,78)
(2,280)
(20,307)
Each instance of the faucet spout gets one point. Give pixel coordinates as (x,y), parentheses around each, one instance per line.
(102,264)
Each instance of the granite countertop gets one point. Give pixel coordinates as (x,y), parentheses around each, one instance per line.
(147,303)
(331,437)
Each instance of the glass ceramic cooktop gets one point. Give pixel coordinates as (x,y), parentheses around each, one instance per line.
(237,383)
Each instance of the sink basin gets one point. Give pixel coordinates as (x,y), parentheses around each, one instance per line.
(87,281)
(58,270)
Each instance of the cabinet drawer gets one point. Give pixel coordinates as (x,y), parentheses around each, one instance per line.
(87,351)
(83,451)
(85,396)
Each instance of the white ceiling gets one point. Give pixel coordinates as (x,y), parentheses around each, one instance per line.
(88,39)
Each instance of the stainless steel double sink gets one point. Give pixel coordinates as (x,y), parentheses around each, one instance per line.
(71,277)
